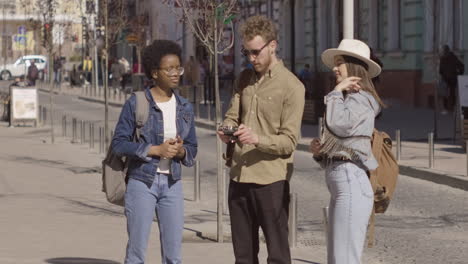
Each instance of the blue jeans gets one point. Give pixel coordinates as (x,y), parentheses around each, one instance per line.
(350,207)
(165,198)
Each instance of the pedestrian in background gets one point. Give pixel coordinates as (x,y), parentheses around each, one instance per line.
(375,80)
(117,71)
(305,75)
(271,102)
(344,149)
(33,73)
(87,69)
(57,70)
(449,69)
(126,72)
(154,174)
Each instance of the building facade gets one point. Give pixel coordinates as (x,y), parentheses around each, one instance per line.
(406,36)
(23,23)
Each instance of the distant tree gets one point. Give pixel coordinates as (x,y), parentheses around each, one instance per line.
(114,20)
(211,21)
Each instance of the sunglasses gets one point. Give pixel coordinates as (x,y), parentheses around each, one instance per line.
(254,53)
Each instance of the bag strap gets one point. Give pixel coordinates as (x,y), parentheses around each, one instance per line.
(141,112)
(371,229)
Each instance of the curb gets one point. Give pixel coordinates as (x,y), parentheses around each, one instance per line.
(454,181)
(100,101)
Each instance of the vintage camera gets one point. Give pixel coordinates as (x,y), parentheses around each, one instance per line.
(229,131)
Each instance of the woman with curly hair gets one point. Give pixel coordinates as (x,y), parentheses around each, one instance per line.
(166,141)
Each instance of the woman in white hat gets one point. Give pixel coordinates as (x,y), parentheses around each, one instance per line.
(344,148)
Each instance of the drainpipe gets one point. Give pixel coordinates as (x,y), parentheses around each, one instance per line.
(348,19)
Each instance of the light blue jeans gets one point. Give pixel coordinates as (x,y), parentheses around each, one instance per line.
(350,207)
(165,199)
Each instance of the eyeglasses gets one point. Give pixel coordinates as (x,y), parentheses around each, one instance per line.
(173,71)
(254,53)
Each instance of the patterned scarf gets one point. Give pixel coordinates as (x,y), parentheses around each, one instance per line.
(333,144)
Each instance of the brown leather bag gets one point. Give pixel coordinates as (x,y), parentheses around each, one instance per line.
(383,179)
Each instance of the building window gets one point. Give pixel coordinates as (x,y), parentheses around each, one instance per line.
(394,25)
(447,22)
(373,24)
(357,19)
(429,22)
(457,25)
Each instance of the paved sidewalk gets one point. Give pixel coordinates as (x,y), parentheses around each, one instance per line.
(450,166)
(55,212)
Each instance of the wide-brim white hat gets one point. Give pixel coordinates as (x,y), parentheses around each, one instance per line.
(354,48)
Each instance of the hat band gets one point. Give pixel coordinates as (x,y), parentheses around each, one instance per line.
(350,59)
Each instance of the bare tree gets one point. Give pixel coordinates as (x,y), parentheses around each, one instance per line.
(47,11)
(209,21)
(114,19)
(138,33)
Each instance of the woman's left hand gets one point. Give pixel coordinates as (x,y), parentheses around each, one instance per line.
(350,84)
(315,146)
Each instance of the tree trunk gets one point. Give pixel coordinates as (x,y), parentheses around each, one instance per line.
(51,96)
(105,77)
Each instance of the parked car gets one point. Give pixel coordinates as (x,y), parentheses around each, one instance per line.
(20,67)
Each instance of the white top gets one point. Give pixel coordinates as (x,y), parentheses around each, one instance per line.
(170,130)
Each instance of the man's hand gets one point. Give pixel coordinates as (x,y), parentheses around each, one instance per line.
(246,135)
(224,138)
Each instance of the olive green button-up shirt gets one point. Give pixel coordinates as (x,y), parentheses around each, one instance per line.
(272,107)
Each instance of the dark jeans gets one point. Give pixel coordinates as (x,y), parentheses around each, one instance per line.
(252,206)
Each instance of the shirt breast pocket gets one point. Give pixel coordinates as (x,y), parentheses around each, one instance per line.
(270,107)
(185,123)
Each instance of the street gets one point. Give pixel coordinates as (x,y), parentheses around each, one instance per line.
(426,223)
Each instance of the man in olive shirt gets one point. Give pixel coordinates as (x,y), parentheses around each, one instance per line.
(271,101)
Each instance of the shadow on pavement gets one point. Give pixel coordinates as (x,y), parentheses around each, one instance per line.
(416,222)
(305,261)
(453,150)
(72,260)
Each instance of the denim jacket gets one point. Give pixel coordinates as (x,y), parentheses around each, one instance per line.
(353,116)
(142,167)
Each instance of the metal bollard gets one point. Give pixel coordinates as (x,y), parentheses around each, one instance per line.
(325,223)
(196,182)
(82,130)
(41,121)
(209,111)
(320,123)
(293,220)
(225,191)
(197,109)
(431,150)
(64,126)
(466,147)
(91,135)
(90,132)
(101,140)
(398,145)
(74,133)
(44,114)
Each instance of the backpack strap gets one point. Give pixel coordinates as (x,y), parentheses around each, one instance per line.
(371,229)
(141,112)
